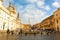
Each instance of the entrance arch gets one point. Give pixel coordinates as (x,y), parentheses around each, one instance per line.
(58,28)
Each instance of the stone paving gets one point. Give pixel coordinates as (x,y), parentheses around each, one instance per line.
(57,36)
(37,37)
(5,36)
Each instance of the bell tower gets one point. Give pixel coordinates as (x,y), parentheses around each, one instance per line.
(14,9)
(10,7)
(0,2)
(18,16)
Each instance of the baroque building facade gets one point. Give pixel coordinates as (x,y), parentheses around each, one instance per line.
(57,19)
(8,18)
(45,24)
(52,21)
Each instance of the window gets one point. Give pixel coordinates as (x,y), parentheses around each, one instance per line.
(57,21)
(56,14)
(54,19)
(57,28)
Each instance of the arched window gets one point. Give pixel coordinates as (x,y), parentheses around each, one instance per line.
(56,14)
(57,21)
(57,28)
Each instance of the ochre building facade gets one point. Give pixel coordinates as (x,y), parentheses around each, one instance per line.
(52,21)
(57,19)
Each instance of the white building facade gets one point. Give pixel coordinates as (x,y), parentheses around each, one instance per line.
(8,18)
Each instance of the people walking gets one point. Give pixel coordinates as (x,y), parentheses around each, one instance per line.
(8,31)
(12,32)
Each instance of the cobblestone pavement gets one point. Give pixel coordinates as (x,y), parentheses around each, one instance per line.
(37,37)
(5,36)
(57,36)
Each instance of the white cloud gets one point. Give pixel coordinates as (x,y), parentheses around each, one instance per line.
(40,3)
(26,16)
(35,15)
(57,0)
(56,4)
(47,7)
(38,19)
(6,2)
(19,8)
(31,1)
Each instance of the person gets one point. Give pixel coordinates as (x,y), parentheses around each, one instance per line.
(21,31)
(41,33)
(18,33)
(34,34)
(12,32)
(8,31)
(26,34)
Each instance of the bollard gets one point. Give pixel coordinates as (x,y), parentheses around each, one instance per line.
(25,34)
(41,33)
(19,33)
(8,31)
(47,33)
(12,32)
(34,34)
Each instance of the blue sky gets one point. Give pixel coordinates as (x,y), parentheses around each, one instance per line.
(36,10)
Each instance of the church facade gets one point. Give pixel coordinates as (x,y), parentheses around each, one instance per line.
(8,18)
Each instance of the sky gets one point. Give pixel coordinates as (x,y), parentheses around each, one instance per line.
(33,10)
